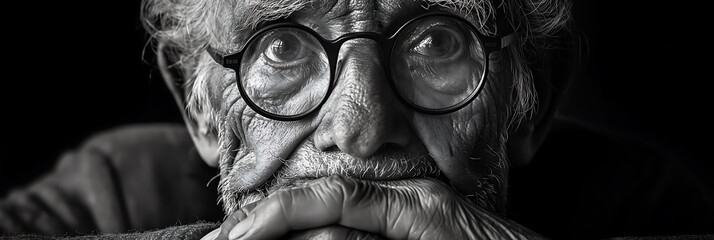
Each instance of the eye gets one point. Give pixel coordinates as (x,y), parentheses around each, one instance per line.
(439,43)
(285,48)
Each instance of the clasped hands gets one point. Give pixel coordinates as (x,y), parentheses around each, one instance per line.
(338,207)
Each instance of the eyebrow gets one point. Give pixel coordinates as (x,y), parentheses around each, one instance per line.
(248,18)
(269,10)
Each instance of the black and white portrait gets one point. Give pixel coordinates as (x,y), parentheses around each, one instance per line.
(362,119)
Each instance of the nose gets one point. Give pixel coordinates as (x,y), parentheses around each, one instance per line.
(362,114)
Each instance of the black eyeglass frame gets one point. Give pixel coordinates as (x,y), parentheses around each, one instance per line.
(332,47)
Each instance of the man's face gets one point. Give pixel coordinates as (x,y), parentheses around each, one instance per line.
(362,130)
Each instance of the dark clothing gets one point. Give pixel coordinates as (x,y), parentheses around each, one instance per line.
(149,181)
(190,231)
(133,178)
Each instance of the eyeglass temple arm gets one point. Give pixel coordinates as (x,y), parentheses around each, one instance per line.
(507,40)
(492,44)
(504,27)
(216,57)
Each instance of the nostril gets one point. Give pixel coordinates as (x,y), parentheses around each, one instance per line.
(370,150)
(332,148)
(387,146)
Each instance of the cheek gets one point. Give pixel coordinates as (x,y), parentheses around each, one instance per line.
(269,140)
(217,88)
(245,133)
(222,90)
(258,133)
(459,134)
(450,135)
(269,137)
(466,144)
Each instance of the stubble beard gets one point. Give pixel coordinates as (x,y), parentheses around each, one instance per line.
(308,163)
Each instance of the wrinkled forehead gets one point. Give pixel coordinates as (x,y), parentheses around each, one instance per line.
(248,15)
(251,11)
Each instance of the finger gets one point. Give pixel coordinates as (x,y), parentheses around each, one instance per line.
(234,219)
(404,209)
(229,223)
(392,211)
(268,220)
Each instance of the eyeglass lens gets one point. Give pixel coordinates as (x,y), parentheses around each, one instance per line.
(285,72)
(436,62)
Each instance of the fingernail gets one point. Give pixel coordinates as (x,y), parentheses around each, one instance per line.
(241,228)
(249,207)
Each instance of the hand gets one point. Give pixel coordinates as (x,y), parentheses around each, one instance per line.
(404,209)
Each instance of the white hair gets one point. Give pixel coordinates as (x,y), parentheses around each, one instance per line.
(188,27)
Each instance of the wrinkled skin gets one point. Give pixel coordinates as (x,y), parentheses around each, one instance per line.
(366,127)
(406,209)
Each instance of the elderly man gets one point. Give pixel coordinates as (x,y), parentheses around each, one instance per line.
(326,119)
(352,118)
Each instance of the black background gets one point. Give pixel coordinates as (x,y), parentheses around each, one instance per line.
(78,69)
(75,68)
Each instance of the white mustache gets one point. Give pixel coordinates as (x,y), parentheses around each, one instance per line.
(387,164)
(308,162)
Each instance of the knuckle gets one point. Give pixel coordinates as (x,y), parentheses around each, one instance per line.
(282,198)
(341,183)
(433,192)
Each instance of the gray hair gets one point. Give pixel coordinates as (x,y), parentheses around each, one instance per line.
(188,27)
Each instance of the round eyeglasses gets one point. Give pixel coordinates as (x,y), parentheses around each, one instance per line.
(438,64)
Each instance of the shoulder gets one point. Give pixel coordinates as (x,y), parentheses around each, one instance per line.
(149,137)
(155,152)
(157,171)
